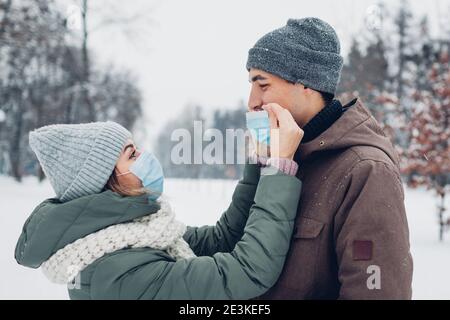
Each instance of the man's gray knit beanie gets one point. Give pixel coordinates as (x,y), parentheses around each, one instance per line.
(78,159)
(305,51)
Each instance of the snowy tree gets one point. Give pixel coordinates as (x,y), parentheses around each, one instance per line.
(365,74)
(405,50)
(30,42)
(231,148)
(132,22)
(116,97)
(427,159)
(42,81)
(182,132)
(229,119)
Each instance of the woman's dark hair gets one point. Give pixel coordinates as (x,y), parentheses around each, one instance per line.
(114,185)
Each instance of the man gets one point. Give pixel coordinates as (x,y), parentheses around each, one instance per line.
(351,239)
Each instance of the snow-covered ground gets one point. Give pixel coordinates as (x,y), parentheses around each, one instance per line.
(199,202)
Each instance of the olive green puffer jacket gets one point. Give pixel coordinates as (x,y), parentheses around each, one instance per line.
(240,257)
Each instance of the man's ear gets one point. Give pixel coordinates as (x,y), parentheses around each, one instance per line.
(308,91)
(303,89)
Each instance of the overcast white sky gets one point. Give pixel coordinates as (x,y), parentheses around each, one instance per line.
(195,50)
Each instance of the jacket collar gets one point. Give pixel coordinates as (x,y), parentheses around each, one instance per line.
(354,115)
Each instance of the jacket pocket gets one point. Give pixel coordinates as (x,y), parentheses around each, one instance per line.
(301,265)
(307,228)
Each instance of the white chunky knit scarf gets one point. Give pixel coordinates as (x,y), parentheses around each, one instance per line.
(159,230)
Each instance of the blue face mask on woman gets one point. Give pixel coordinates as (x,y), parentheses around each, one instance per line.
(149,170)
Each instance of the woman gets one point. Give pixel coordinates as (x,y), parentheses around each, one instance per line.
(109,234)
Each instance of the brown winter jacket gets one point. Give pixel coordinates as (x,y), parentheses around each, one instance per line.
(351,239)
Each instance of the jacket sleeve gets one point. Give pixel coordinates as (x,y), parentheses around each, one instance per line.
(222,237)
(249,270)
(371,235)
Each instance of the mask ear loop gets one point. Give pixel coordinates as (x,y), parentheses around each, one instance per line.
(121,174)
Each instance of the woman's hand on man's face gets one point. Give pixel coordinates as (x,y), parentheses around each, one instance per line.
(285,134)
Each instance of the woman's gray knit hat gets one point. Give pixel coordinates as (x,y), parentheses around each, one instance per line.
(78,159)
(305,51)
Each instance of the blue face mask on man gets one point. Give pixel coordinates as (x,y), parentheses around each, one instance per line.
(149,170)
(259,126)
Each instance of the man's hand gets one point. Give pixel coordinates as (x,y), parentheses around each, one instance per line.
(285,134)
